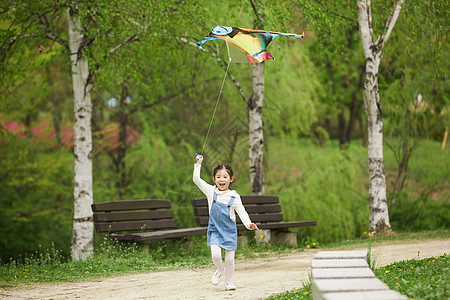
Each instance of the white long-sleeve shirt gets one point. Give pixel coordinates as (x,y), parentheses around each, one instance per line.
(222,197)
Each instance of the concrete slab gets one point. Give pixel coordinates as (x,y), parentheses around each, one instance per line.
(342,273)
(341,255)
(339,263)
(349,285)
(372,295)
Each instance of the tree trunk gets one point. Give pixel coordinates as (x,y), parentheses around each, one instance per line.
(122,182)
(255,131)
(254,109)
(379,217)
(82,234)
(342,129)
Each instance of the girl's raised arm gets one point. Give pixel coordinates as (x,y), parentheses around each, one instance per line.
(202,185)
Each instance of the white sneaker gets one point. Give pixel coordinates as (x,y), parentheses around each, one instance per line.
(215,279)
(229,286)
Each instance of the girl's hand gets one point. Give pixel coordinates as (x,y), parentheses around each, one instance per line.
(199,158)
(253,226)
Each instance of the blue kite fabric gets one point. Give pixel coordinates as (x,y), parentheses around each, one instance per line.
(251,42)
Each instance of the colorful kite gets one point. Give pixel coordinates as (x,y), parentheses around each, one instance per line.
(247,45)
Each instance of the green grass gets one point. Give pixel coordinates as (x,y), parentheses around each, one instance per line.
(304,292)
(425,279)
(113,258)
(420,278)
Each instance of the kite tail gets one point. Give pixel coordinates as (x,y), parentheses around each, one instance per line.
(261,56)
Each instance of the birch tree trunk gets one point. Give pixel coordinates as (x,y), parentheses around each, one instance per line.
(254,109)
(82,234)
(255,131)
(379,216)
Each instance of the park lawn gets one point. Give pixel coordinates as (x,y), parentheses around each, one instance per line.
(112,259)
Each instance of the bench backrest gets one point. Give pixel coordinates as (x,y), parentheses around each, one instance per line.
(133,215)
(261,209)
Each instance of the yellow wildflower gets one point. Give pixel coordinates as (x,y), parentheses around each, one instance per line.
(308,246)
(261,235)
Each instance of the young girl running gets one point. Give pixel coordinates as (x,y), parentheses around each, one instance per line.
(222,232)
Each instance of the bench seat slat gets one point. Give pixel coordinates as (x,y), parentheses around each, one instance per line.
(133,216)
(263,218)
(280,226)
(246,200)
(130,226)
(130,205)
(203,221)
(258,209)
(163,234)
(251,209)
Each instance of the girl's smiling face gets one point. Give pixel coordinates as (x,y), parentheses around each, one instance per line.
(222,179)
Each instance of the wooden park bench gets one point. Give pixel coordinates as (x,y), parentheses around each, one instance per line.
(264,211)
(139,220)
(345,275)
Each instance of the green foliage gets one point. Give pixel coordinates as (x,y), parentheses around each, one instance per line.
(310,243)
(172,88)
(422,213)
(322,184)
(36,205)
(420,278)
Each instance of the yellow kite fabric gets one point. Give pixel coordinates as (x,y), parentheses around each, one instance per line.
(252,42)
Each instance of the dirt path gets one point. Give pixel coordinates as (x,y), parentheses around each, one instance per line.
(255,279)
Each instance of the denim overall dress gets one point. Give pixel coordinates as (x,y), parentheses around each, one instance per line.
(221,229)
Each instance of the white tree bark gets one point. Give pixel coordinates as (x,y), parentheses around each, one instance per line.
(379,216)
(255,131)
(82,234)
(254,110)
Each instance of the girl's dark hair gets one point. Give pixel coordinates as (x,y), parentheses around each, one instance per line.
(226,167)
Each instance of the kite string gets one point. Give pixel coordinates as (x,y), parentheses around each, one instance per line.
(217,103)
